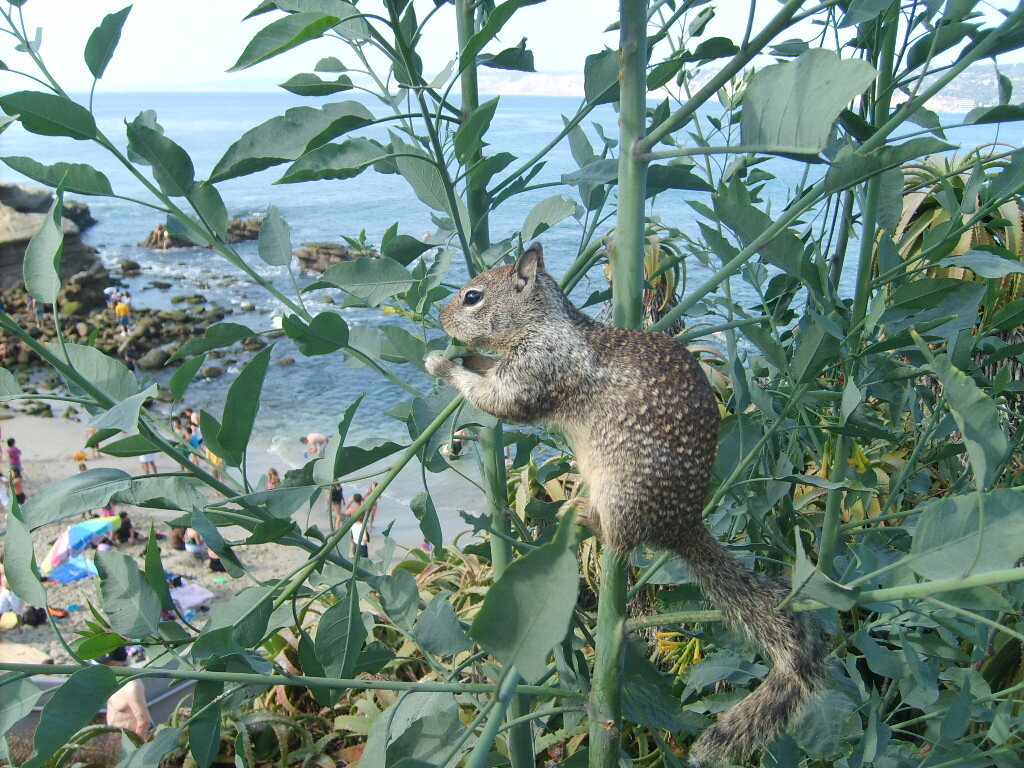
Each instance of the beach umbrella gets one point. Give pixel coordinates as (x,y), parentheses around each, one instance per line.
(75,538)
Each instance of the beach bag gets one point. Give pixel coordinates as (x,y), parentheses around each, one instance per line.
(34,616)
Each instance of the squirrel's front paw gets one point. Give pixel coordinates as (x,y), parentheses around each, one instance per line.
(438,365)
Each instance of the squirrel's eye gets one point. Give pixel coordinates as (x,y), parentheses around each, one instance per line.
(471,298)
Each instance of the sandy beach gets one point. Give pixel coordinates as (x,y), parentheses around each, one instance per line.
(48,448)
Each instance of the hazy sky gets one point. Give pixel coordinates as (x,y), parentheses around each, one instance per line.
(189,44)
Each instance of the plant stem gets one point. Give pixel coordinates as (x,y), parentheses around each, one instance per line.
(250,678)
(921,589)
(504,697)
(627,311)
(862,294)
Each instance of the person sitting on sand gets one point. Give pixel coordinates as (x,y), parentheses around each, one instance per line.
(126,533)
(127,708)
(193,541)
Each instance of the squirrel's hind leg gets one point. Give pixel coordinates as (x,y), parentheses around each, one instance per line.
(584,515)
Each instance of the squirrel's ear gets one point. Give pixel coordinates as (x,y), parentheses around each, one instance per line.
(528,265)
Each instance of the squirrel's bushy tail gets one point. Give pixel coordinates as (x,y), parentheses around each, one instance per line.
(793,641)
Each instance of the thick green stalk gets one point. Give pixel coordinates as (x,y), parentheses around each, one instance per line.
(862,292)
(627,310)
(492,439)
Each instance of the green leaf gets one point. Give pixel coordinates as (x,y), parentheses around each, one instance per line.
(128,600)
(204,729)
(404,249)
(850,168)
(340,635)
(921,301)
(528,610)
(283,35)
(419,726)
(249,613)
(327,333)
(601,77)
(812,584)
(184,375)
(71,707)
(984,264)
(210,207)
(859,11)
(240,408)
(1004,113)
(124,417)
(422,507)
(726,666)
(828,725)
(940,39)
(662,177)
(172,167)
(749,223)
(42,255)
(288,137)
(469,136)
(20,560)
(790,107)
(74,177)
(519,59)
(372,280)
(99,50)
(647,696)
(546,214)
(712,48)
(400,598)
(438,629)
(308,84)
(275,242)
(47,114)
(152,752)
(109,375)
(334,161)
(92,489)
(1010,316)
(496,19)
(18,694)
(155,574)
(815,348)
(422,175)
(216,336)
(953,532)
(977,416)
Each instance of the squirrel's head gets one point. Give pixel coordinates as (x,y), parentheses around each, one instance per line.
(497,307)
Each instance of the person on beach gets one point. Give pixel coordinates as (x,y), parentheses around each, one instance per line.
(193,442)
(112,296)
(18,485)
(36,309)
(127,708)
(177,539)
(456,446)
(216,464)
(123,315)
(8,600)
(126,532)
(337,501)
(193,541)
(5,494)
(273,479)
(148,462)
(316,445)
(13,455)
(364,525)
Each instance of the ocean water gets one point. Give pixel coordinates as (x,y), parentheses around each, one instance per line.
(312,394)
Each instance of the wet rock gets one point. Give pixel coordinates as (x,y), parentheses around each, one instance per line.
(86,287)
(130,268)
(38,200)
(253,344)
(192,298)
(245,306)
(319,257)
(153,360)
(17,228)
(212,372)
(82,329)
(240,230)
(160,284)
(285,361)
(326,299)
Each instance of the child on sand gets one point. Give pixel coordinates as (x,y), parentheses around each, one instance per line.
(122,312)
(13,455)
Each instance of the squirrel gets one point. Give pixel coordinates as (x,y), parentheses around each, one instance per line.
(643,423)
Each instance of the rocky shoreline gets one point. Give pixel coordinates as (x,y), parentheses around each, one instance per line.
(153,335)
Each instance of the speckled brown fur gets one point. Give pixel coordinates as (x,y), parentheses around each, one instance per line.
(643,423)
